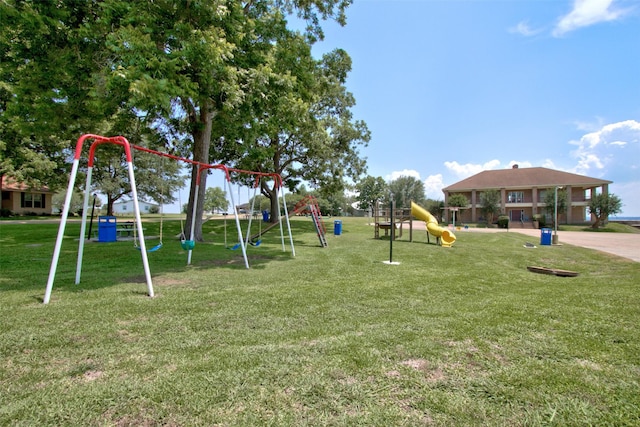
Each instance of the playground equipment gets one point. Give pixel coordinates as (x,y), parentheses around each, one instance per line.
(118,140)
(135,234)
(447,238)
(310,204)
(184,243)
(138,229)
(391,219)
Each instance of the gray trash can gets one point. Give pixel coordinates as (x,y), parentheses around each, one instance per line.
(545,236)
(107,228)
(337,227)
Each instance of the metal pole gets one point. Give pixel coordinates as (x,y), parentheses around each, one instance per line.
(136,209)
(63,224)
(93,208)
(555,216)
(286,216)
(85,208)
(393,230)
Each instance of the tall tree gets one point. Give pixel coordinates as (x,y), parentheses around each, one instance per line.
(458,200)
(551,203)
(298,122)
(602,205)
(405,189)
(370,190)
(178,64)
(490,204)
(55,69)
(215,198)
(197,63)
(47,57)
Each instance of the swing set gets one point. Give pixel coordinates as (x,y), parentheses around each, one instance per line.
(139,240)
(254,240)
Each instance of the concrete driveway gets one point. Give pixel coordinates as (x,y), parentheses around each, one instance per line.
(626,245)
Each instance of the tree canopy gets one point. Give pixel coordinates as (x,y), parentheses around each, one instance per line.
(405,189)
(215,198)
(602,205)
(490,204)
(370,190)
(458,200)
(550,202)
(189,73)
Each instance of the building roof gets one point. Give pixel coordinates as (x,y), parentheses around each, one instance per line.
(9,184)
(523,178)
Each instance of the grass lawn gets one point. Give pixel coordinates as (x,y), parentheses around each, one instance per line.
(460,336)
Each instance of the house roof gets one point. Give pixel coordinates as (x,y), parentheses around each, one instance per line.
(523,178)
(8,184)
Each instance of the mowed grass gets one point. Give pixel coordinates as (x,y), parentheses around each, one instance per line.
(458,336)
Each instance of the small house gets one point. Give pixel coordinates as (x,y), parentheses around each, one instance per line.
(126,207)
(22,199)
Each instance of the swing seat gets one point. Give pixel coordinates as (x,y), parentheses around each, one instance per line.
(187,245)
(234,247)
(256,243)
(153,249)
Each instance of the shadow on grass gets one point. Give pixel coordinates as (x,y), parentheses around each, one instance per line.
(27,249)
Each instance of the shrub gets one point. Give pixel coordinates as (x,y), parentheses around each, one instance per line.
(503,221)
(541,220)
(5,213)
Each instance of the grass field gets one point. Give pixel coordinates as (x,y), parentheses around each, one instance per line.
(461,336)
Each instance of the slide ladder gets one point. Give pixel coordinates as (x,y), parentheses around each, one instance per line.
(311,204)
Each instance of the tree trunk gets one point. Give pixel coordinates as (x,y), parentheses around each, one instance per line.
(273,199)
(201,145)
(110,202)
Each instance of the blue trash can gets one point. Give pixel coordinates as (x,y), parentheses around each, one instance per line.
(337,227)
(545,236)
(107,228)
(265,216)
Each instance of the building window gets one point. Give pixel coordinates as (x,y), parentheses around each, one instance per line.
(515,197)
(31,200)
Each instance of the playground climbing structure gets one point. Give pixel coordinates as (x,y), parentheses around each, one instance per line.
(309,204)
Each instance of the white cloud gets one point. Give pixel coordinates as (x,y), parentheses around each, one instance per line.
(406,172)
(628,193)
(548,163)
(612,152)
(433,186)
(586,13)
(468,169)
(589,126)
(524,29)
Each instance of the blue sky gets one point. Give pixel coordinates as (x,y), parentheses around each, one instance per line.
(450,88)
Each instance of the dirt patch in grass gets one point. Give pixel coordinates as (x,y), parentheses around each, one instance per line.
(159,281)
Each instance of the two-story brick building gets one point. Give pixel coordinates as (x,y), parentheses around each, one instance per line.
(523,192)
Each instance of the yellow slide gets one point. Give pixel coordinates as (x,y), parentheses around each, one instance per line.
(446,237)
